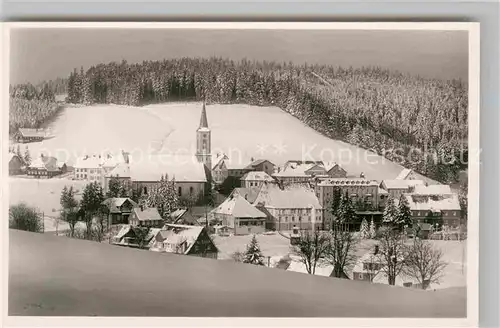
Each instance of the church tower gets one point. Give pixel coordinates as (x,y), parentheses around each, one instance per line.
(203,141)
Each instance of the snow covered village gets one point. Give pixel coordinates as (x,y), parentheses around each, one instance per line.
(265,164)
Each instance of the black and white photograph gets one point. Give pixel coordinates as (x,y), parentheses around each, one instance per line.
(241,170)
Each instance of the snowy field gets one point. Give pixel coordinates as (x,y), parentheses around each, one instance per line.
(241,131)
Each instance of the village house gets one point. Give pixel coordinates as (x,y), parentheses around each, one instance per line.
(396,188)
(145,217)
(24,135)
(433,204)
(363,194)
(250,194)
(255,179)
(119,209)
(371,267)
(334,170)
(135,237)
(184,239)
(96,167)
(407,174)
(46,167)
(290,206)
(262,165)
(294,173)
(15,164)
(120,172)
(219,168)
(184,217)
(240,216)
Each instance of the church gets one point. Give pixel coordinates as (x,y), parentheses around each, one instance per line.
(192,174)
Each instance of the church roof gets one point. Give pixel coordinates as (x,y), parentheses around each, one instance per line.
(203,118)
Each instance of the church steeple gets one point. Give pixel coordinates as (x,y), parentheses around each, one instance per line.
(203,118)
(203,140)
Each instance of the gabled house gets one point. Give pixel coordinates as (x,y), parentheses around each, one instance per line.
(255,179)
(219,168)
(396,188)
(334,170)
(407,174)
(250,194)
(294,173)
(184,239)
(46,167)
(240,216)
(15,164)
(135,237)
(24,135)
(262,165)
(435,208)
(184,217)
(294,205)
(145,217)
(119,209)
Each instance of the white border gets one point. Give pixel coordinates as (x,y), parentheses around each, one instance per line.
(474,164)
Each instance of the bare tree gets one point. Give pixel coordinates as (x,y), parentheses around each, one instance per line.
(424,263)
(237,256)
(312,247)
(341,249)
(392,253)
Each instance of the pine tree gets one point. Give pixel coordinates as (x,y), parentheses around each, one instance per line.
(346,214)
(403,213)
(91,204)
(163,197)
(389,216)
(373,230)
(27,157)
(364,230)
(253,255)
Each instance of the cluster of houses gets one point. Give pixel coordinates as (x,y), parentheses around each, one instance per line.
(42,167)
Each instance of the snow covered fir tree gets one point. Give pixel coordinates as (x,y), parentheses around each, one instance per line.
(253,254)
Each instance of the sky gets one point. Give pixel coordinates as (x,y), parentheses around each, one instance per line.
(44,54)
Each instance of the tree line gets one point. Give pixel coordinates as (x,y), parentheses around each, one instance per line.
(31,106)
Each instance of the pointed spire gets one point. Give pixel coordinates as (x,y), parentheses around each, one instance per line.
(203,119)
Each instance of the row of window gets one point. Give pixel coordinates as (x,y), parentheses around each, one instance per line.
(251,223)
(300,219)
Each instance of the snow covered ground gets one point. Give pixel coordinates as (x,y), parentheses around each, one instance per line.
(238,130)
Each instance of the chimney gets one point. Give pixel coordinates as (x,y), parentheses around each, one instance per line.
(375,252)
(362,175)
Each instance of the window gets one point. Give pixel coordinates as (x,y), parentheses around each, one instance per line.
(145,190)
(191,189)
(180,191)
(361,276)
(454,213)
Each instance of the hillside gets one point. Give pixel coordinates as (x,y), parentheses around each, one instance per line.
(56,276)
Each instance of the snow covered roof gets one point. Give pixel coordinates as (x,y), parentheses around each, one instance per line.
(257,176)
(401,184)
(27,132)
(294,196)
(11,156)
(122,170)
(347,181)
(238,207)
(368,257)
(88,162)
(45,162)
(330,165)
(295,170)
(236,164)
(404,174)
(432,190)
(217,158)
(382,191)
(178,233)
(148,214)
(123,231)
(250,194)
(114,203)
(257,162)
(180,168)
(444,202)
